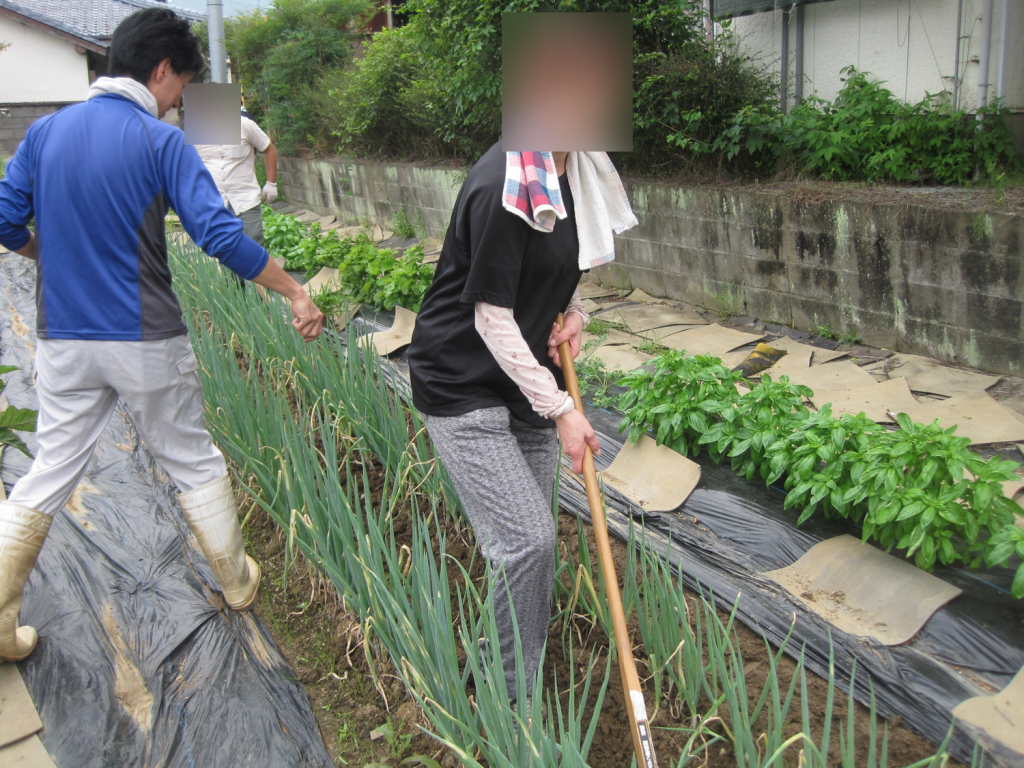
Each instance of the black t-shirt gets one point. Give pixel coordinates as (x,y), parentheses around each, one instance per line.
(490,255)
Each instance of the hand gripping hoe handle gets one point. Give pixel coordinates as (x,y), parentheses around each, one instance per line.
(637,710)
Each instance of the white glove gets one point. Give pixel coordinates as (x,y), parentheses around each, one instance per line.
(269,192)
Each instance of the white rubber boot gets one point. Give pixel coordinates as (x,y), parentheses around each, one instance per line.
(22,533)
(211,514)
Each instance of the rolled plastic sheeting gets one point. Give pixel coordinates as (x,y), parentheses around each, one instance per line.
(138,662)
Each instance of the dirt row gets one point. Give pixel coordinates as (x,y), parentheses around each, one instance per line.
(324,643)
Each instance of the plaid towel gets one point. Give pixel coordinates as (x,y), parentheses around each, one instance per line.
(531,189)
(601,205)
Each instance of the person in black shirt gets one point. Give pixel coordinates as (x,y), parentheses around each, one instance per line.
(486,376)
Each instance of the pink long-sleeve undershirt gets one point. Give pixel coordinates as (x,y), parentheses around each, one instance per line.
(498,328)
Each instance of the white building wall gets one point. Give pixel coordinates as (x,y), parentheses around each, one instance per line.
(910,44)
(39,68)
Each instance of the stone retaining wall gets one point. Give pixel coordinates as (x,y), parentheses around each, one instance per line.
(907,276)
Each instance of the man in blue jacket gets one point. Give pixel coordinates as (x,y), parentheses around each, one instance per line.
(99,177)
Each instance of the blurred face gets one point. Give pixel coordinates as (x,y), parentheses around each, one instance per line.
(567,82)
(166,86)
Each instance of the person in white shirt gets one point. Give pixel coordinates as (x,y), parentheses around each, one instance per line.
(233,167)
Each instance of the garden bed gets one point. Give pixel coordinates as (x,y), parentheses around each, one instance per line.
(292,415)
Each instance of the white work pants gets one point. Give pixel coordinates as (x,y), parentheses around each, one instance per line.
(79,382)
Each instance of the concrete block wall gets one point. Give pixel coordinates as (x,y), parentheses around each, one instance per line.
(15,120)
(361,192)
(910,277)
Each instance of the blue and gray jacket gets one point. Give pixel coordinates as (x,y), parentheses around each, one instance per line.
(99,177)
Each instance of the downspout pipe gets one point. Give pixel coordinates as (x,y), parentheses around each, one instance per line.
(1003,63)
(987,10)
(784,75)
(798,74)
(218,53)
(956,66)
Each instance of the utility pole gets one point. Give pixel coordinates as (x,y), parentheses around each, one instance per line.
(218,53)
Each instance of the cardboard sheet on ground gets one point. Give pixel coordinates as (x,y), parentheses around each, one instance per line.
(654,476)
(27,753)
(1013,488)
(398,336)
(643,298)
(380,234)
(640,318)
(1015,404)
(620,356)
(711,339)
(999,716)
(18,716)
(309,217)
(835,377)
(863,591)
(590,290)
(977,416)
(798,356)
(351,232)
(926,375)
(822,355)
(612,336)
(431,245)
(876,400)
(323,221)
(324,280)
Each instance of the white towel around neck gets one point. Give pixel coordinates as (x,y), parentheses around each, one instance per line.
(129,89)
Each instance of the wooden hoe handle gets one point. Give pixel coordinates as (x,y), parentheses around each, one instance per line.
(642,743)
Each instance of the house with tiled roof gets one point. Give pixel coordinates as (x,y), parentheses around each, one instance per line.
(52,51)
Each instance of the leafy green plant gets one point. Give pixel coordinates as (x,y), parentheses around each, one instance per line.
(401,224)
(376,276)
(918,489)
(868,134)
(284,236)
(677,401)
(333,303)
(594,377)
(598,327)
(15,419)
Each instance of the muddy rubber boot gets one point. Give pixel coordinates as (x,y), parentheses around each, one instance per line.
(22,533)
(211,514)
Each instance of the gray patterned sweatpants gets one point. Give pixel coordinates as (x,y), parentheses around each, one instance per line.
(504,471)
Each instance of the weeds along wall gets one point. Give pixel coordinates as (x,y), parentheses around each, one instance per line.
(917,278)
(304,423)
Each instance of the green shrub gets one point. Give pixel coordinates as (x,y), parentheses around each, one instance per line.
(866,134)
(382,104)
(687,97)
(675,71)
(286,54)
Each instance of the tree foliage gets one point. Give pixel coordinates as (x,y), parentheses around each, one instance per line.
(285,55)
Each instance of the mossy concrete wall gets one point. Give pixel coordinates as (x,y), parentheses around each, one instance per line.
(910,277)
